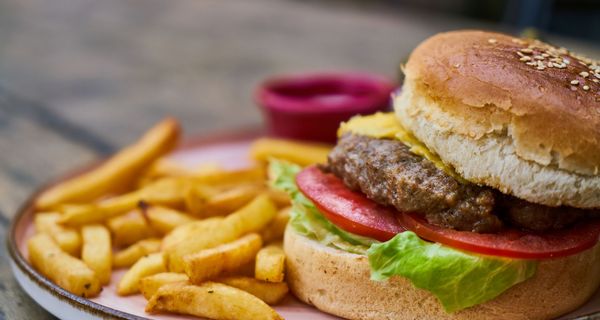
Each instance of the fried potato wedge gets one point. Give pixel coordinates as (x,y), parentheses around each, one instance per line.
(69,240)
(270,292)
(281,198)
(228,257)
(146,266)
(218,177)
(274,231)
(149,285)
(163,219)
(167,167)
(130,255)
(300,153)
(167,191)
(130,228)
(203,202)
(215,231)
(97,251)
(252,217)
(164,167)
(66,271)
(191,230)
(117,172)
(210,300)
(270,264)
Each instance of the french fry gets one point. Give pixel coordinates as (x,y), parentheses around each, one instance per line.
(97,251)
(227,257)
(66,271)
(167,167)
(281,198)
(130,228)
(129,256)
(217,177)
(163,219)
(164,167)
(190,230)
(274,230)
(300,153)
(270,264)
(67,239)
(167,191)
(146,266)
(269,292)
(116,173)
(203,202)
(214,231)
(210,300)
(149,285)
(252,217)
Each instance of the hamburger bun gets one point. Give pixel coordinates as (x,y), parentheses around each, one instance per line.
(338,282)
(519,116)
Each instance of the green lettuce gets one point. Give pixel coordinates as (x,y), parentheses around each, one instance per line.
(458,279)
(306,219)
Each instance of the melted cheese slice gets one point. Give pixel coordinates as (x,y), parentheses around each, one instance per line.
(386,126)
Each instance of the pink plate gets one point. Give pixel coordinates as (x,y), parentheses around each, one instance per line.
(229,151)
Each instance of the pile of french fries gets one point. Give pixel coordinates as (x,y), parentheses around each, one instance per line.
(203,241)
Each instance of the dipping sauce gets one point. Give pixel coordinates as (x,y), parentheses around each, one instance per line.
(311,106)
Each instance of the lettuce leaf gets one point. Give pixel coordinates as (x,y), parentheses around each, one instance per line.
(457,278)
(306,219)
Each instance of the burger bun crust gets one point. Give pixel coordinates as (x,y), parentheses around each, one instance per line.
(339,283)
(526,130)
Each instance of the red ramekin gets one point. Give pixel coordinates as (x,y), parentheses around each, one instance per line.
(311,106)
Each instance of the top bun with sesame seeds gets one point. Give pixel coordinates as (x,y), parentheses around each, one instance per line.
(517,115)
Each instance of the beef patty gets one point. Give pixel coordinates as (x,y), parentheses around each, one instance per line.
(388,173)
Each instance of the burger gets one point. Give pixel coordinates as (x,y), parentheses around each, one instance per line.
(477,198)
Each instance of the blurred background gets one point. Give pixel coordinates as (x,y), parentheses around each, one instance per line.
(80,78)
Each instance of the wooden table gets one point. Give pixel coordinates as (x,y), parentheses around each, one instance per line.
(79,79)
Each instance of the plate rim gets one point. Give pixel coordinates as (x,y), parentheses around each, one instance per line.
(26,208)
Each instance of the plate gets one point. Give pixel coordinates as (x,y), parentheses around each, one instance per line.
(228,150)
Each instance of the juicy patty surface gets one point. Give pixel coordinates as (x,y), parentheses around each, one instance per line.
(388,173)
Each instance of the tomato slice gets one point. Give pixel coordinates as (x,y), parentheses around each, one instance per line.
(355,213)
(349,210)
(510,243)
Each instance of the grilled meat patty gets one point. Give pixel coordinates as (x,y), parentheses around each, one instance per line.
(388,173)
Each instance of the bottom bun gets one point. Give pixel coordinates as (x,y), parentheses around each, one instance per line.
(338,282)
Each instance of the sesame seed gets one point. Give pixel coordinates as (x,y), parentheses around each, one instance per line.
(525,58)
(545,55)
(527,50)
(575,82)
(586,88)
(595,80)
(541,67)
(538,57)
(584,74)
(520,54)
(492,40)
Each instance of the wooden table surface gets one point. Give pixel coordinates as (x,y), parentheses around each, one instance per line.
(79,79)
